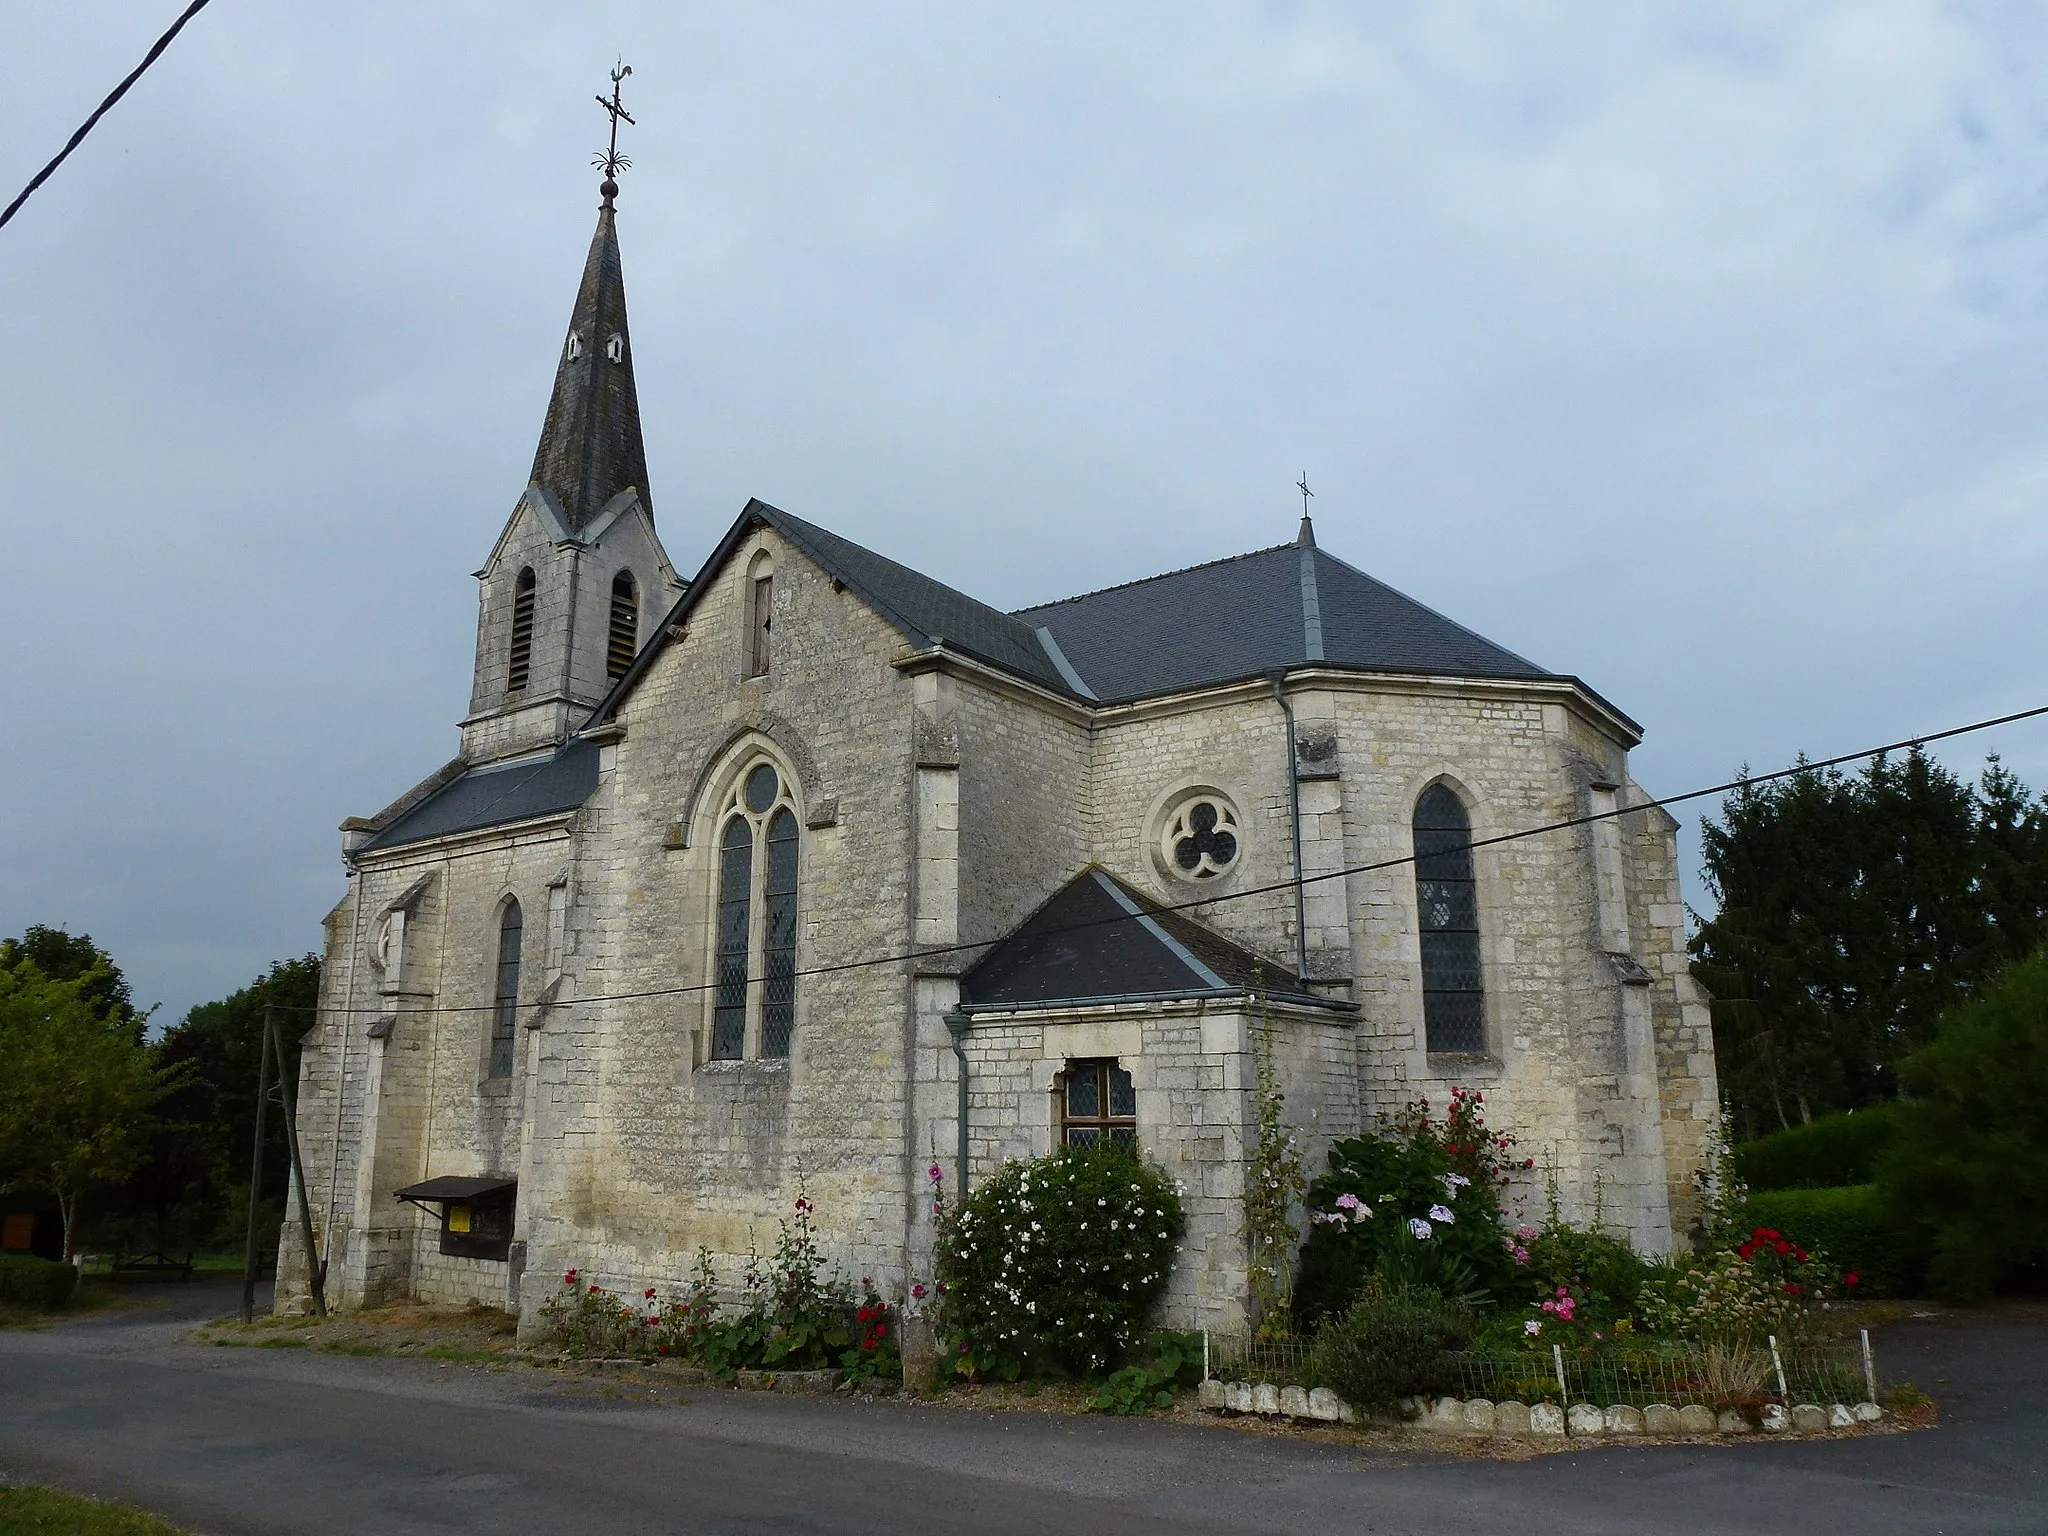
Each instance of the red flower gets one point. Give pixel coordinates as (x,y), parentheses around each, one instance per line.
(1802,1254)
(569,1278)
(1791,1289)
(650,1293)
(1746,1252)
(663,1348)
(1528,1162)
(593,1287)
(1852,1279)
(881,1330)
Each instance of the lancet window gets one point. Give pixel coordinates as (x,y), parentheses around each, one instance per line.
(1447,902)
(623,640)
(519,660)
(754,997)
(505,1013)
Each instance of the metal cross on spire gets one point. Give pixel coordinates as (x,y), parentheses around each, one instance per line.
(1301,485)
(610,159)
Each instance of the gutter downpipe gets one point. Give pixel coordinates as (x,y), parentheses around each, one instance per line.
(1294,823)
(956,1026)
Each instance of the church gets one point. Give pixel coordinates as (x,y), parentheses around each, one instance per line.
(806,872)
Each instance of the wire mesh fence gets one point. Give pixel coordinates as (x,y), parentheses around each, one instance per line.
(1714,1376)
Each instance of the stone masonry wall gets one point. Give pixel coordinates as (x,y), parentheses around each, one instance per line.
(645,1150)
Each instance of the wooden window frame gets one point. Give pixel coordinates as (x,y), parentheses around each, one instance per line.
(1075,1129)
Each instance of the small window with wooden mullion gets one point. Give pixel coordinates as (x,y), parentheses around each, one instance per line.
(1097,1103)
(764,607)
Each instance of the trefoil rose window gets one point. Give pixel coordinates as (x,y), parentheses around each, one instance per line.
(1097,1103)
(1201,838)
(753,1010)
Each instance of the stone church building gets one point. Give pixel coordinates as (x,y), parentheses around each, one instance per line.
(807,871)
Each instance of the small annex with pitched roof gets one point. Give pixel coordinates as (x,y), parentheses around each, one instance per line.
(811,871)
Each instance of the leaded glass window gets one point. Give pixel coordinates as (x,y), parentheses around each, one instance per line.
(1447,904)
(754,996)
(1097,1103)
(505,1013)
(778,944)
(735,930)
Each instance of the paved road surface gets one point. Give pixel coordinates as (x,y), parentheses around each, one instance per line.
(245,1440)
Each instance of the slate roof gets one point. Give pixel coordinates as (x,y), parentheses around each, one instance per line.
(1098,940)
(1290,606)
(498,793)
(590,446)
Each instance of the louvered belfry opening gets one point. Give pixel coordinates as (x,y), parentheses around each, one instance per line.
(624,638)
(519,664)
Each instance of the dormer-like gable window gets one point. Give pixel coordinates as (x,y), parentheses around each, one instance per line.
(519,659)
(623,639)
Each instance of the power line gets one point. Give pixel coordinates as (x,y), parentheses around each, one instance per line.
(1910,743)
(103,108)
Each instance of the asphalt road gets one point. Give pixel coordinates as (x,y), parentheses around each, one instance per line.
(246,1440)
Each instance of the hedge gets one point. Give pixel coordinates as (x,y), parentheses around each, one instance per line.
(1827,1153)
(1854,1226)
(43,1284)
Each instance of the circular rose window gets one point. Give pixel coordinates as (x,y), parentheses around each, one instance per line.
(1201,839)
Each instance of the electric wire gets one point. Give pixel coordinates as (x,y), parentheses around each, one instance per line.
(102,109)
(929,952)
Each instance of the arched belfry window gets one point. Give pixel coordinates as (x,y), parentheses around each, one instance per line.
(519,660)
(624,637)
(505,1015)
(1447,902)
(753,1009)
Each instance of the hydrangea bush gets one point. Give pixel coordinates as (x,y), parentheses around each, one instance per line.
(1418,1205)
(1059,1259)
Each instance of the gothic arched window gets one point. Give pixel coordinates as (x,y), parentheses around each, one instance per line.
(519,661)
(624,637)
(753,1009)
(505,1015)
(1447,903)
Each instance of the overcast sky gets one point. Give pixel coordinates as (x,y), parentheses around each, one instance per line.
(1699,350)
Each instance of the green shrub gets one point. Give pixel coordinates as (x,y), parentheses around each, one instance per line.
(1856,1227)
(1389,1345)
(1602,1273)
(41,1284)
(1827,1153)
(1373,1212)
(1058,1259)
(1969,1173)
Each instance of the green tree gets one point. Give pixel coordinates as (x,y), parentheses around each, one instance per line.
(77,1088)
(65,956)
(1969,1171)
(1853,911)
(197,1172)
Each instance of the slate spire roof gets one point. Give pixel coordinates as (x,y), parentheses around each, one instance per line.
(590,447)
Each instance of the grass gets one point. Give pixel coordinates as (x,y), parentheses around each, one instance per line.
(26,1510)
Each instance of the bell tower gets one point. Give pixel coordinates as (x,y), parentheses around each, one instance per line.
(578,578)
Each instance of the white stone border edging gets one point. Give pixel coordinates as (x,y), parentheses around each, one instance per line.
(1477,1416)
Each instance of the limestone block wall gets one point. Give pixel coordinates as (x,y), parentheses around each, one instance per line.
(1551,1071)
(1687,1081)
(1026,794)
(1238,744)
(1194,1073)
(644,1149)
(380,1113)
(626,544)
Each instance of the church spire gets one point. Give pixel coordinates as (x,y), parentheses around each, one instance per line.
(590,447)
